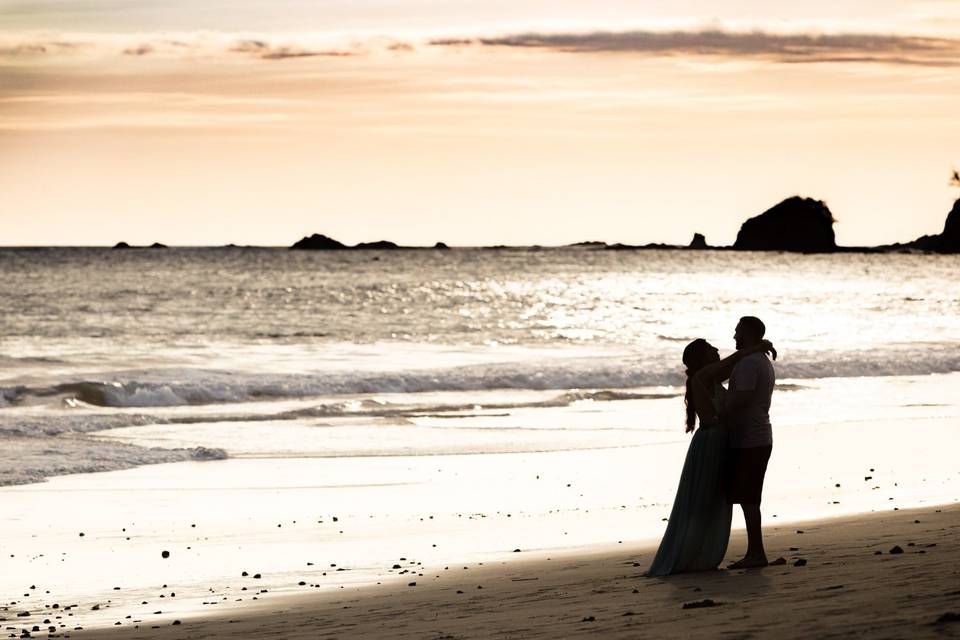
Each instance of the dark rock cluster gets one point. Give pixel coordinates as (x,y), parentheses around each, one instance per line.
(796,224)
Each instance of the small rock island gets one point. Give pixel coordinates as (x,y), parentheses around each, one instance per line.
(796,224)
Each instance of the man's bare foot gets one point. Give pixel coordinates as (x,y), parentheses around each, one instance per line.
(749,563)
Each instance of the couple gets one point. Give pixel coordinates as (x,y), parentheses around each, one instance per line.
(727,457)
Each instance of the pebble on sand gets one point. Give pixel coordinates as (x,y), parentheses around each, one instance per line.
(700,604)
(164,554)
(896,549)
(800,563)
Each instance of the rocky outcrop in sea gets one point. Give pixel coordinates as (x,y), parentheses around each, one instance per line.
(796,224)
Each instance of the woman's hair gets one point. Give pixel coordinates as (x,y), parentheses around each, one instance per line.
(693,358)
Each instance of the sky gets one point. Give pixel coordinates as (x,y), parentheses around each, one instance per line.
(471,122)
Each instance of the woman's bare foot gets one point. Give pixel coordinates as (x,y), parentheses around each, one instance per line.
(748,562)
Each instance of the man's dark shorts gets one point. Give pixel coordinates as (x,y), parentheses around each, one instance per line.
(745,470)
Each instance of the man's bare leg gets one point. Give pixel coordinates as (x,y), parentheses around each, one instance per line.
(756,556)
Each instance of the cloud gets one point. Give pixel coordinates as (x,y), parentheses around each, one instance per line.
(791,48)
(267,51)
(400,46)
(788,48)
(158,45)
(35,47)
(139,50)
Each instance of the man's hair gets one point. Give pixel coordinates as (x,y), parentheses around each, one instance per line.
(754,325)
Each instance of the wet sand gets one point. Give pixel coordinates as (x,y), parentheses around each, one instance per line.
(842,577)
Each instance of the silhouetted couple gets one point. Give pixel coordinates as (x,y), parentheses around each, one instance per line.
(727,457)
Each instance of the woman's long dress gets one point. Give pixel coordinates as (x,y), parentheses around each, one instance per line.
(699,526)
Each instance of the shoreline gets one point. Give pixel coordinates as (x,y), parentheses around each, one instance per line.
(887,249)
(850,585)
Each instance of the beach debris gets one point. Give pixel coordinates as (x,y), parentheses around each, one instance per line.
(896,549)
(412,584)
(948,617)
(800,562)
(778,562)
(589,619)
(878,553)
(701,604)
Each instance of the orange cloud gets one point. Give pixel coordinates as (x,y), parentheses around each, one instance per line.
(755,45)
(789,48)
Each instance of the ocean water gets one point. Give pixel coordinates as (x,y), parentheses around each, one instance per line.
(282,413)
(95,342)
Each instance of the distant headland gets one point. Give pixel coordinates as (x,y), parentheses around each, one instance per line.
(797,224)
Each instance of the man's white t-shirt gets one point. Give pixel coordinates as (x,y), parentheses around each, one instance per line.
(750,426)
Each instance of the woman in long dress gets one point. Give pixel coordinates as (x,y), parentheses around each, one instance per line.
(699,526)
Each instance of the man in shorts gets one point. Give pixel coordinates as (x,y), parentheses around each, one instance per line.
(747,413)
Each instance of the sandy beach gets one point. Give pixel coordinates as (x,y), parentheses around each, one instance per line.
(843,577)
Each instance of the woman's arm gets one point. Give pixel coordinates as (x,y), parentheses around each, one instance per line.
(721,370)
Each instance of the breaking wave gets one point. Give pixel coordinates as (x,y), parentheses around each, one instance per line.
(184,387)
